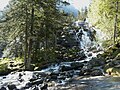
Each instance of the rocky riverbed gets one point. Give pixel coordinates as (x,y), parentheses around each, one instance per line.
(80,67)
(38,80)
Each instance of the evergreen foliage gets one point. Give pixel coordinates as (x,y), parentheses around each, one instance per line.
(102,14)
(30,27)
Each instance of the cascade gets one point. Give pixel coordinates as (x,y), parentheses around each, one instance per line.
(63,72)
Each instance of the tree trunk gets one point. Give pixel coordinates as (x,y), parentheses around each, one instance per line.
(30,41)
(26,39)
(115,25)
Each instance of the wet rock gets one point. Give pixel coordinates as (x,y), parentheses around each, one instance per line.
(89,54)
(97,72)
(86,70)
(37,82)
(4,77)
(52,83)
(42,74)
(20,75)
(53,77)
(12,87)
(65,68)
(62,77)
(3,88)
(77,72)
(82,56)
(28,85)
(20,80)
(35,88)
(96,62)
(69,74)
(44,86)
(54,73)
(60,81)
(76,65)
(32,79)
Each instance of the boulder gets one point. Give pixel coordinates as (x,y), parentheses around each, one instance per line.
(62,77)
(12,87)
(82,56)
(76,65)
(89,54)
(37,82)
(96,62)
(35,88)
(96,72)
(44,86)
(53,77)
(28,85)
(65,68)
(3,88)
(86,70)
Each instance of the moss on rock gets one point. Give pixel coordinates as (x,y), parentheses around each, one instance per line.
(114,71)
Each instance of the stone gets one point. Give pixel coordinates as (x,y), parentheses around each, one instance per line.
(76,65)
(42,74)
(89,54)
(65,68)
(62,77)
(97,72)
(3,88)
(86,70)
(54,73)
(37,82)
(53,77)
(44,86)
(12,87)
(94,62)
(35,88)
(82,56)
(20,75)
(28,85)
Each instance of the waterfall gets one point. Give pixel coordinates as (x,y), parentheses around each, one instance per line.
(62,72)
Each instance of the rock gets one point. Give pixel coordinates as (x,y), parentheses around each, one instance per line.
(35,88)
(97,72)
(12,87)
(65,68)
(96,62)
(86,70)
(117,57)
(3,88)
(76,65)
(44,86)
(54,73)
(37,82)
(70,74)
(86,73)
(77,72)
(114,71)
(42,74)
(82,56)
(62,73)
(53,77)
(89,54)
(28,85)
(20,75)
(21,80)
(52,83)
(62,77)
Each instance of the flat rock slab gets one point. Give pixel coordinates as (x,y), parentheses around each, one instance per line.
(91,83)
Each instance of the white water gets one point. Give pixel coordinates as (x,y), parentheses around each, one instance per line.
(85,44)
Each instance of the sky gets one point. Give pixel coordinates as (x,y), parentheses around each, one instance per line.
(3,3)
(76,3)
